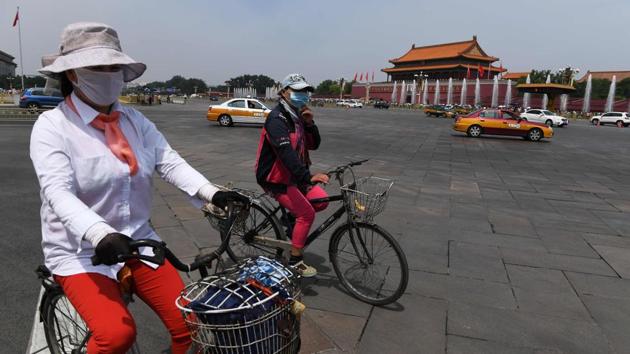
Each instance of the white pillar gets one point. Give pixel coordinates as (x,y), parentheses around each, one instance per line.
(403,92)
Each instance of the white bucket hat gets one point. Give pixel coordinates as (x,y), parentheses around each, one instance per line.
(90,44)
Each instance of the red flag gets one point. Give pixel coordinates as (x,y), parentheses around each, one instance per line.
(372,76)
(361,78)
(468,73)
(17,17)
(355,77)
(367,76)
(480,71)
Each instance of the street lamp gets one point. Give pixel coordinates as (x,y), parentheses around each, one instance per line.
(568,74)
(250,84)
(421,77)
(341,84)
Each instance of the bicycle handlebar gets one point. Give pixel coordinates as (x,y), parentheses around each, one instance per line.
(342,168)
(161,251)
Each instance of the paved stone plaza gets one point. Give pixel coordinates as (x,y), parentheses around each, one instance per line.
(514,247)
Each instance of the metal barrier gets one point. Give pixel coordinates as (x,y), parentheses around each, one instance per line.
(9,99)
(19,114)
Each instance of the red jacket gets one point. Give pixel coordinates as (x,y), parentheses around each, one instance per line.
(278,162)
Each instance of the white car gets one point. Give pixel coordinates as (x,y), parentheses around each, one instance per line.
(544,116)
(354,104)
(342,103)
(620,119)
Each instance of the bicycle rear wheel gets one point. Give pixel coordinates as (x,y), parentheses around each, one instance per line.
(369,263)
(259,222)
(66,332)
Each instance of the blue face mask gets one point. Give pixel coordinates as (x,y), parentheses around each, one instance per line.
(299,99)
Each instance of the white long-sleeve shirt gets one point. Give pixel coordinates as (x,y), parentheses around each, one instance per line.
(82,182)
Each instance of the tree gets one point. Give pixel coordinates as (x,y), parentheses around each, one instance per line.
(331,87)
(348,87)
(334,89)
(181,84)
(259,82)
(540,76)
(599,89)
(324,87)
(6,81)
(623,88)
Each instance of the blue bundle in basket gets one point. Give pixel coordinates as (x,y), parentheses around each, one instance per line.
(247,290)
(269,273)
(245,300)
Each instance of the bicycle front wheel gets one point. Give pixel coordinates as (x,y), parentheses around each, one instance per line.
(258,222)
(66,332)
(369,263)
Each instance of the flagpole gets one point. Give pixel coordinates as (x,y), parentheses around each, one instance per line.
(20,39)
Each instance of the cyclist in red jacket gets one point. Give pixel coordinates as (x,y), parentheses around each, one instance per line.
(282,166)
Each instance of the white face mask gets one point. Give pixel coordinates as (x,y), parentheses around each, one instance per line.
(100,87)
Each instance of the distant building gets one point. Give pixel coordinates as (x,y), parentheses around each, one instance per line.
(456,60)
(421,76)
(606,75)
(7,66)
(514,76)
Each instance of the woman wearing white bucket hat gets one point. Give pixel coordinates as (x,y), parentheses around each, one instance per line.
(94,159)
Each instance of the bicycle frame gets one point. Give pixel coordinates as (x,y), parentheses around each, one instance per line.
(324,226)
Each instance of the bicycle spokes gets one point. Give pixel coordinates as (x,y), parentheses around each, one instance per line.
(360,247)
(369,263)
(71,334)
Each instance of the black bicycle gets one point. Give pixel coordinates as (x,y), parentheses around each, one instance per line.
(367,259)
(67,333)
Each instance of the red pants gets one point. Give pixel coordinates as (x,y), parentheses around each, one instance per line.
(98,300)
(298,204)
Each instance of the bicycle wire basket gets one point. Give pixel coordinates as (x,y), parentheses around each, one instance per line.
(218,217)
(367,197)
(250,308)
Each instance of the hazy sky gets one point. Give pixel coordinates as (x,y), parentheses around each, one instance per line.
(327,39)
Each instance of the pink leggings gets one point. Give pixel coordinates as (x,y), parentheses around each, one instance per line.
(298,204)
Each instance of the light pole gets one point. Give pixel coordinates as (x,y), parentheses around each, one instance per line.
(574,72)
(341,84)
(568,74)
(421,77)
(250,84)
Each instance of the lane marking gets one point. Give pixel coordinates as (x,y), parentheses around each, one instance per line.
(37,343)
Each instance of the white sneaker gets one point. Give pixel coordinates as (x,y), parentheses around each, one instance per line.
(304,269)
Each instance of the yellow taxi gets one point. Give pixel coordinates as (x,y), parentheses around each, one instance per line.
(439,111)
(500,122)
(238,110)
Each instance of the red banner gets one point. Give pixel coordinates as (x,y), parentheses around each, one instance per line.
(17,18)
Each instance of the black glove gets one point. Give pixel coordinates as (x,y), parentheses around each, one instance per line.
(222,198)
(112,246)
